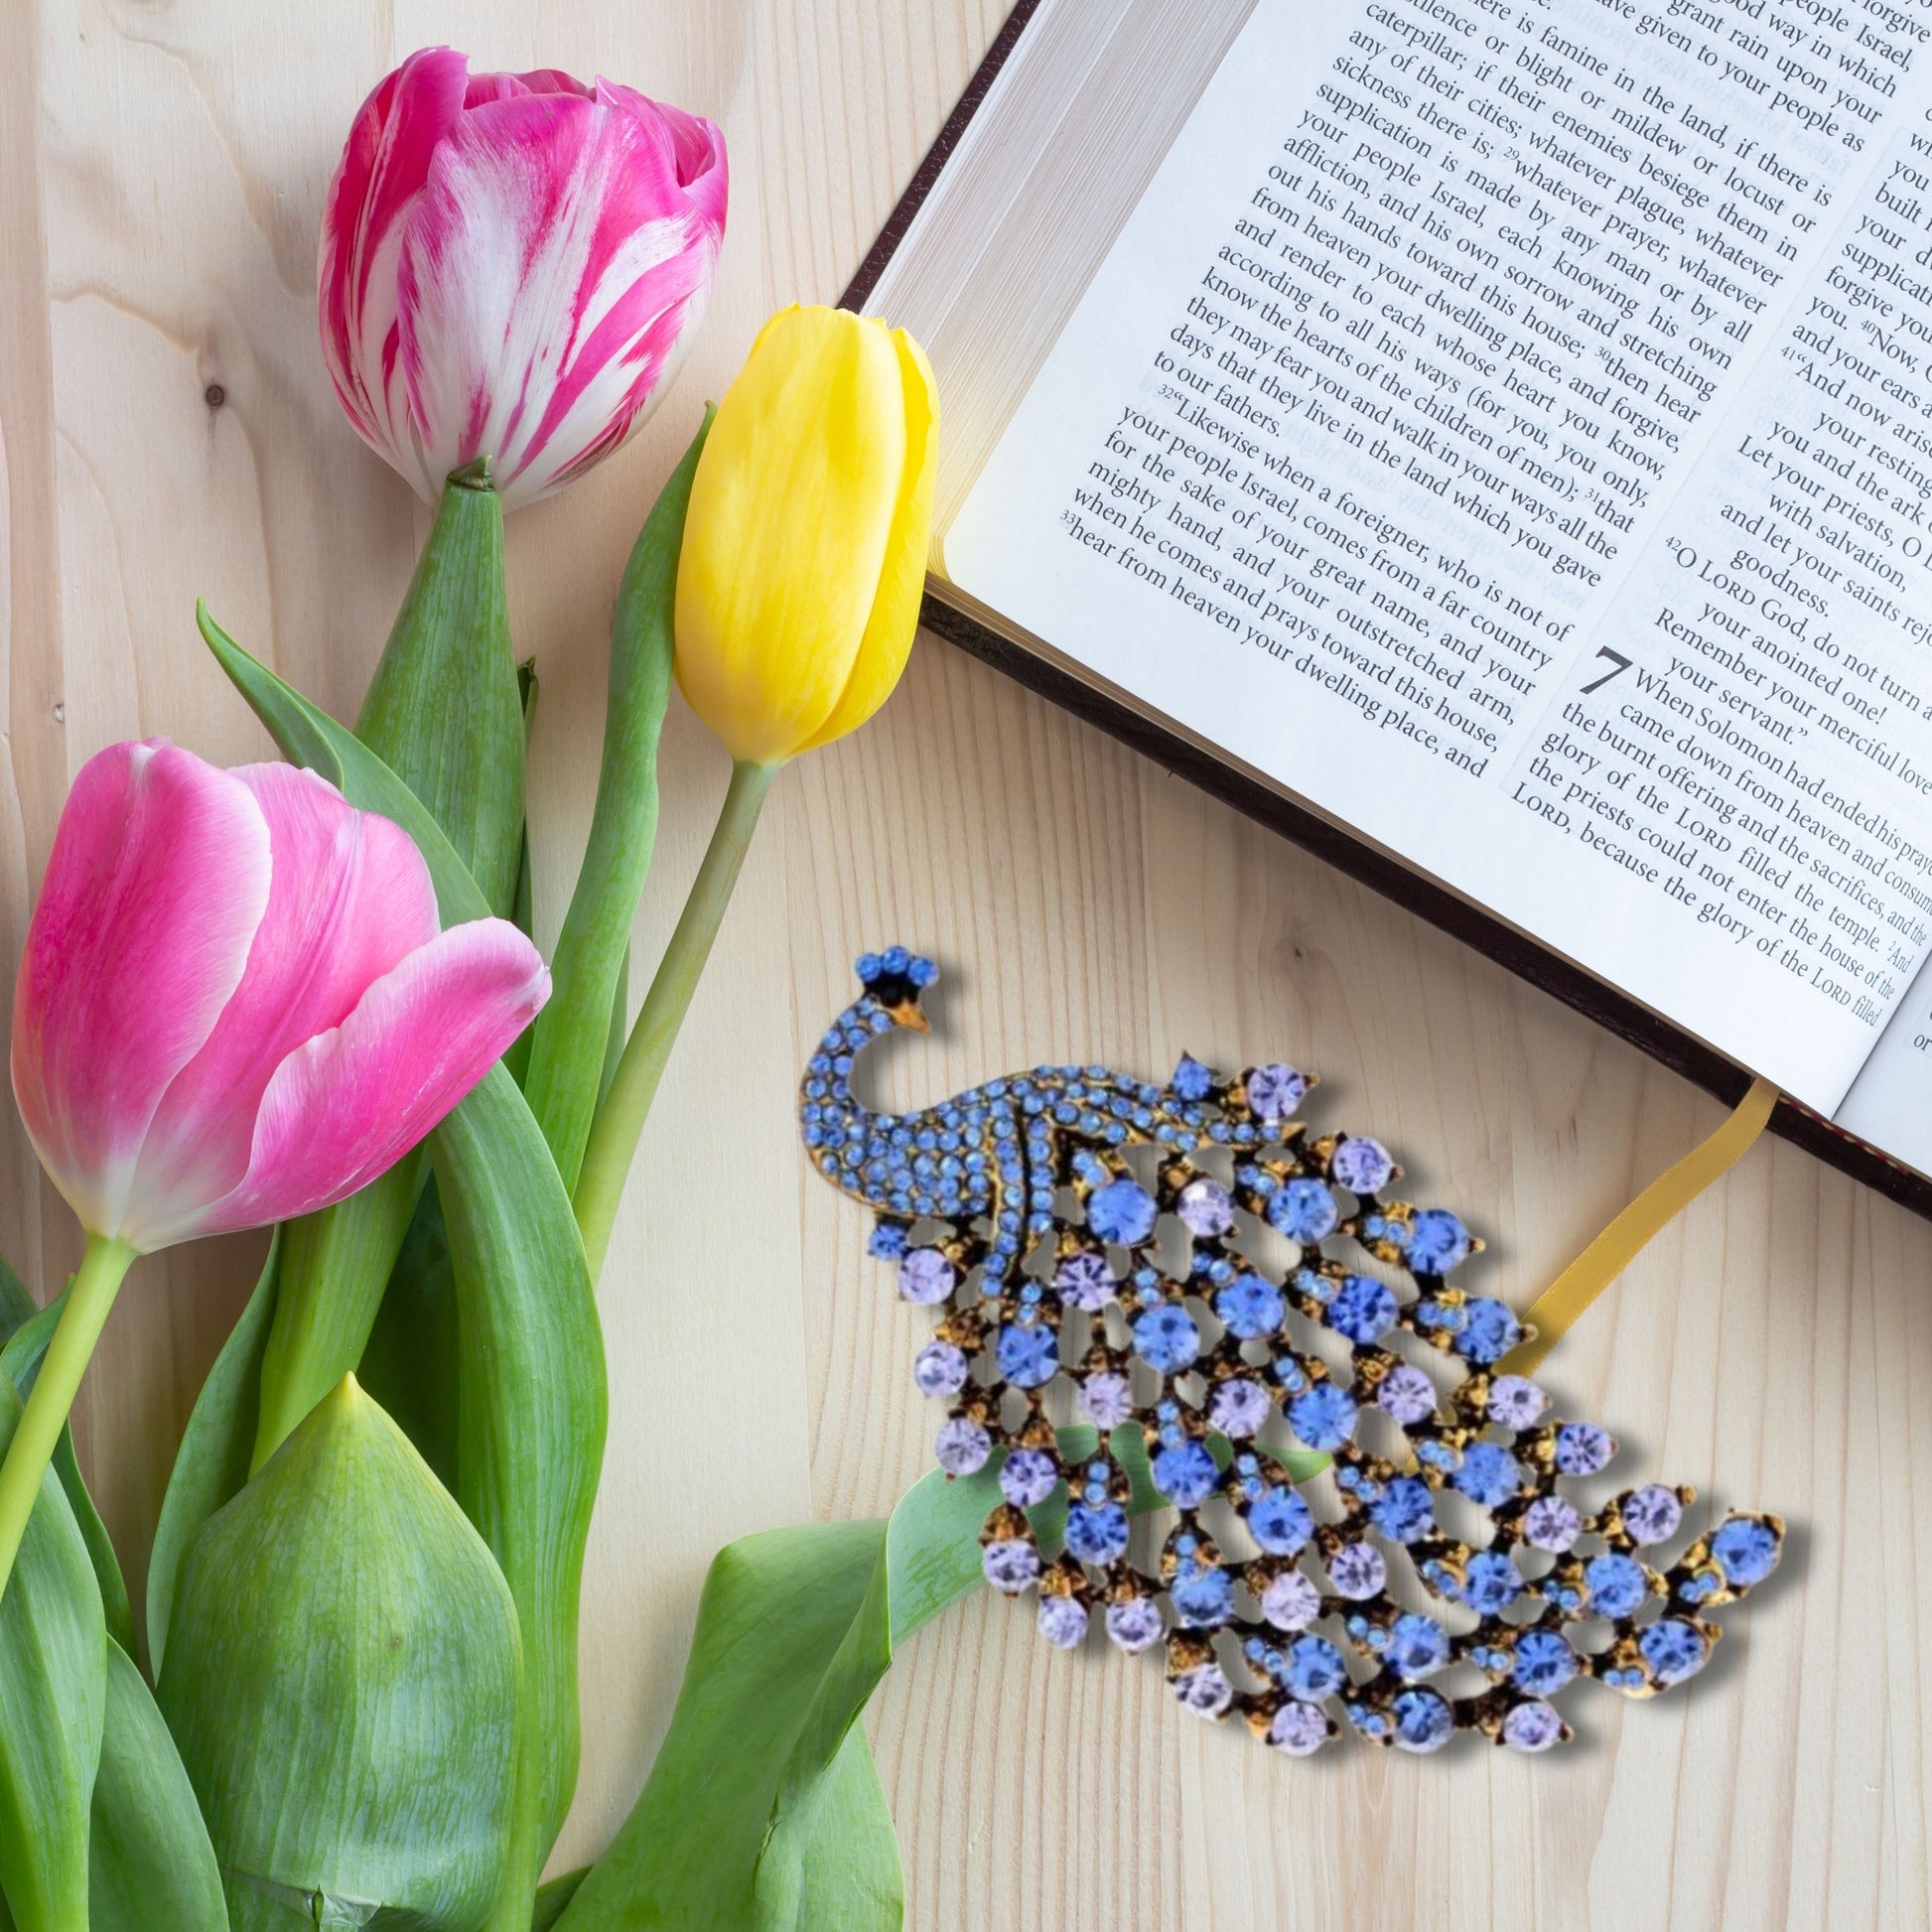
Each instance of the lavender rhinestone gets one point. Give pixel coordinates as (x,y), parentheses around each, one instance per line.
(1357,1571)
(1552,1523)
(1135,1624)
(1362,1165)
(1206,1207)
(1407,1394)
(1291,1601)
(1062,1622)
(1515,1401)
(962,1447)
(926,1276)
(1582,1448)
(1239,1408)
(1532,1725)
(1204,1690)
(1275,1091)
(1010,1565)
(939,1369)
(1027,1477)
(1298,1728)
(1084,1281)
(1651,1514)
(1106,1399)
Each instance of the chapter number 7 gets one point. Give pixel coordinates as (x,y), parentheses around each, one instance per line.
(1618,662)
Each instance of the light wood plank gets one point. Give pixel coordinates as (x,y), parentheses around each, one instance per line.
(161,175)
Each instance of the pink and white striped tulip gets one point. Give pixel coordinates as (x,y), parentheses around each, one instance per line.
(237,1004)
(512,266)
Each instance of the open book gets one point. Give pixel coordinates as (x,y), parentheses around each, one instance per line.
(1501,429)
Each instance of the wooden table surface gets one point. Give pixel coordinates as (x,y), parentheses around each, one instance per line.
(166,430)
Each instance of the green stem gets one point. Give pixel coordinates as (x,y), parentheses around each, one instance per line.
(103,1270)
(620,1120)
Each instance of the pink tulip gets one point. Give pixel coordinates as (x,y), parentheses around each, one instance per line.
(236,1004)
(512,266)
(236,1007)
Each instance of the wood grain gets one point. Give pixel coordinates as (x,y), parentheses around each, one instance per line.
(166,430)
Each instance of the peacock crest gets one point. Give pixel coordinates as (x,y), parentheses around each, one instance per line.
(1178,1299)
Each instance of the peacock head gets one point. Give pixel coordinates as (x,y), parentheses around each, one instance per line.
(895,979)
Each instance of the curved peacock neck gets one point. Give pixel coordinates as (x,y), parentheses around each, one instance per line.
(829,1111)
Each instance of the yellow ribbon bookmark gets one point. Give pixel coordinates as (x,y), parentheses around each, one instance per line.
(1560,1304)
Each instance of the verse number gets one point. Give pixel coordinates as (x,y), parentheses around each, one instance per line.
(1618,662)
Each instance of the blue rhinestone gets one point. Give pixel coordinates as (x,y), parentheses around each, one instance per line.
(1438,1242)
(1166,1338)
(1192,1080)
(1418,1645)
(1250,1306)
(1489,1474)
(1492,1583)
(1202,1599)
(1423,1720)
(1364,1310)
(1673,1649)
(1489,1330)
(1280,1521)
(1543,1661)
(1746,1551)
(1313,1668)
(1324,1418)
(1405,1511)
(1096,1535)
(1123,1213)
(1304,1211)
(1617,1585)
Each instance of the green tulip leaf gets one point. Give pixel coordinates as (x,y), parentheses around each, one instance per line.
(832,1860)
(775,1611)
(551,1899)
(335,1263)
(532,1415)
(445,709)
(151,1867)
(531,1439)
(53,1701)
(212,1463)
(411,1363)
(568,1054)
(763,1806)
(27,1330)
(342,1680)
(446,713)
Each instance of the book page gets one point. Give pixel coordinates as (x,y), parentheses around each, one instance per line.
(1408,445)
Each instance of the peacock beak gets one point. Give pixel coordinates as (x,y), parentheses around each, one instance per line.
(909,1013)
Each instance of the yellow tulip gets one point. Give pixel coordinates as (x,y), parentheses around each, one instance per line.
(805,543)
(799,581)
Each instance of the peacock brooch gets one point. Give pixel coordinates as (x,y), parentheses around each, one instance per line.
(1266,1349)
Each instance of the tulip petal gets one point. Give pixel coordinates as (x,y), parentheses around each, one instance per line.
(157,881)
(551,274)
(350,899)
(792,516)
(894,617)
(383,168)
(345,1106)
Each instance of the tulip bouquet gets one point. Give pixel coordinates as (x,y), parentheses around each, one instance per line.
(305,993)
